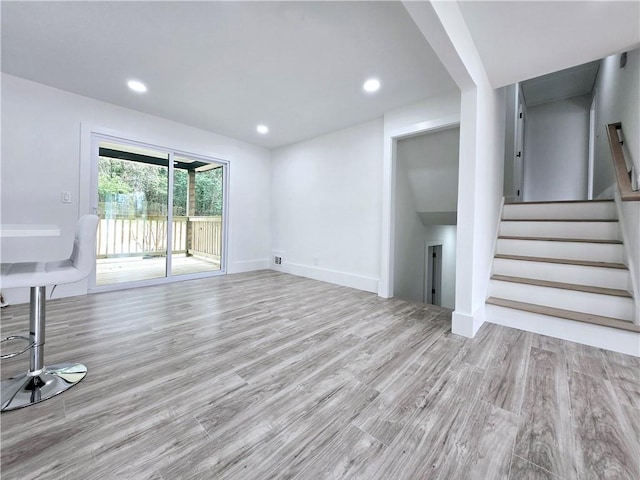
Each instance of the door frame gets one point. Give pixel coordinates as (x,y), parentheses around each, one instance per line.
(387,251)
(428,269)
(94,139)
(519,153)
(592,143)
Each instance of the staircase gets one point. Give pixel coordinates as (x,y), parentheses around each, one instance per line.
(559,270)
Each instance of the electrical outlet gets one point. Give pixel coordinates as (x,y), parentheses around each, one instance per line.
(65,197)
(277,260)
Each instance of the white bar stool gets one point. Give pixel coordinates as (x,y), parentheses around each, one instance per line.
(42,382)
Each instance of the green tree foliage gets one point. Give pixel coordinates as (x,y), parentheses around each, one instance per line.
(111,178)
(133,188)
(209,192)
(180,191)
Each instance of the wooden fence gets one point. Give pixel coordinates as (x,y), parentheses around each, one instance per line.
(128,236)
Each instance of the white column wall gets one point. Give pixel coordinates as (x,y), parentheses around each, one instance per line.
(481,156)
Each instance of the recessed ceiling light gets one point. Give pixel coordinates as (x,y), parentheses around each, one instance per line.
(371,85)
(263,129)
(137,86)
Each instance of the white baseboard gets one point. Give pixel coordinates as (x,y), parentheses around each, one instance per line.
(467,325)
(248,265)
(621,341)
(368,284)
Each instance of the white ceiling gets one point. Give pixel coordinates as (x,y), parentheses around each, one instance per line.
(521,40)
(567,83)
(297,67)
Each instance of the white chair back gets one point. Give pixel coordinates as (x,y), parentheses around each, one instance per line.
(84,244)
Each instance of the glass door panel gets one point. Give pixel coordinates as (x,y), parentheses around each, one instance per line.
(162,214)
(132,209)
(197,216)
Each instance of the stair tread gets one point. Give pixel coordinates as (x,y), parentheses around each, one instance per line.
(562,220)
(565,286)
(556,239)
(546,202)
(567,314)
(584,263)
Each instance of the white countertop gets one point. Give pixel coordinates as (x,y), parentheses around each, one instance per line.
(23,230)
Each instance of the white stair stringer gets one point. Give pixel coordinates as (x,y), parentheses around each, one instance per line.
(577,301)
(598,336)
(597,276)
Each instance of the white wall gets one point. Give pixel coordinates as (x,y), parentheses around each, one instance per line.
(617,100)
(43,153)
(445,235)
(431,161)
(557,150)
(325,206)
(410,236)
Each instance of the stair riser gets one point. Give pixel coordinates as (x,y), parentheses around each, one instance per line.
(556,272)
(582,230)
(589,211)
(594,335)
(596,252)
(604,305)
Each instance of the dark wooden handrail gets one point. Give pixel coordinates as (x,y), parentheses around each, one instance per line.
(619,165)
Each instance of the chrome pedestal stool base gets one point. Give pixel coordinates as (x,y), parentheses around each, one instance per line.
(39,383)
(27,388)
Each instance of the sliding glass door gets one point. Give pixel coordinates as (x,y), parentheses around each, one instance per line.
(198,191)
(161,214)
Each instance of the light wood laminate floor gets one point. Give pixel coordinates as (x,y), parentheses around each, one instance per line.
(270,376)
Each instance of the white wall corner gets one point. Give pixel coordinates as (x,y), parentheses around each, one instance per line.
(467,325)
(249,265)
(359,282)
